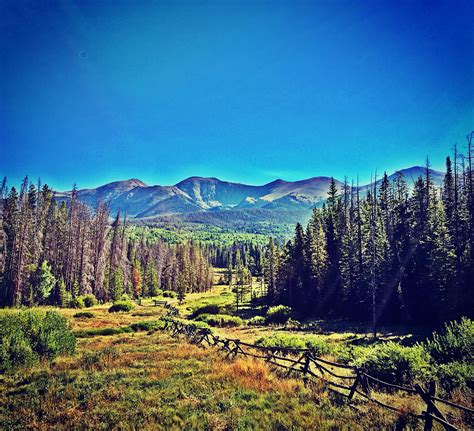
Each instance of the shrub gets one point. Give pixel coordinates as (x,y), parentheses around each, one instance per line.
(206,309)
(343,353)
(282,341)
(148,325)
(278,315)
(77,302)
(316,344)
(28,336)
(195,323)
(393,362)
(90,300)
(220,320)
(84,315)
(456,375)
(454,344)
(15,350)
(169,294)
(257,321)
(121,306)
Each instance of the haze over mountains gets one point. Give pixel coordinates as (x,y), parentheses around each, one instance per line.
(197,195)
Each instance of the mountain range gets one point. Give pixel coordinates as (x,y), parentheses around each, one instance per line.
(194,196)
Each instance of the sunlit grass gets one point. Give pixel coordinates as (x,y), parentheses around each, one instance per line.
(153,381)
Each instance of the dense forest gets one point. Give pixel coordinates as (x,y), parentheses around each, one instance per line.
(52,254)
(393,253)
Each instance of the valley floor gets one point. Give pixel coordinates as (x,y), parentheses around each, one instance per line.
(150,380)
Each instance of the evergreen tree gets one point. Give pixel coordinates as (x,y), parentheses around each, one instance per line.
(271,271)
(151,282)
(45,283)
(117,288)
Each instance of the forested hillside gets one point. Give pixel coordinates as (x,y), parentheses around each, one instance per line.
(55,254)
(386,253)
(389,255)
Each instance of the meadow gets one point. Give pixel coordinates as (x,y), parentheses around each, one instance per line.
(128,372)
(150,380)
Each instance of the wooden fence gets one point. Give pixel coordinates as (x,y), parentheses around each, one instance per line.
(346,380)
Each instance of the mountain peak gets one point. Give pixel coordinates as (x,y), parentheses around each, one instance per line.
(130,183)
(415,171)
(198,179)
(137,182)
(202,194)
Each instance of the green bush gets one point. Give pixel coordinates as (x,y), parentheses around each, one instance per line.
(282,341)
(77,302)
(15,349)
(456,375)
(344,353)
(121,306)
(220,320)
(84,315)
(207,309)
(257,321)
(278,315)
(169,294)
(148,325)
(90,300)
(195,323)
(28,336)
(316,344)
(454,344)
(393,362)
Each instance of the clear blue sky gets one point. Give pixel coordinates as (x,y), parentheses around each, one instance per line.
(249,91)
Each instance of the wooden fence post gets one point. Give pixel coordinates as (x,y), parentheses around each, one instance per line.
(431,409)
(306,363)
(354,385)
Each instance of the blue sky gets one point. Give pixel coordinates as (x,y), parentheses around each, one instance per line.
(245,91)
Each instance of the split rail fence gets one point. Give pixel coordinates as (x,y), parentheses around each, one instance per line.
(348,381)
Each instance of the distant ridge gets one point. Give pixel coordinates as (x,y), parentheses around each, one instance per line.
(201,195)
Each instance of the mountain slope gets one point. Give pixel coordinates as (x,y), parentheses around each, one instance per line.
(196,195)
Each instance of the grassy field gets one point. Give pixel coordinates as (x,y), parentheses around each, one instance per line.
(128,373)
(149,380)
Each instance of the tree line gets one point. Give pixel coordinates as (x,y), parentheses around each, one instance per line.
(248,254)
(392,253)
(51,253)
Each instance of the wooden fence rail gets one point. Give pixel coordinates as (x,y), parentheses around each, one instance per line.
(305,363)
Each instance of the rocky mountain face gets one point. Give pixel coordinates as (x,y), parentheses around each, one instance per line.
(198,195)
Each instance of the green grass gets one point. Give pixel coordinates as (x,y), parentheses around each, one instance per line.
(129,374)
(156,382)
(220,320)
(150,325)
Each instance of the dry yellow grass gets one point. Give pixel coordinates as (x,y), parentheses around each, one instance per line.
(155,381)
(254,374)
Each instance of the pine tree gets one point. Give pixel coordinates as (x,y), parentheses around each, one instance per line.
(271,271)
(117,288)
(63,298)
(45,283)
(151,281)
(332,294)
